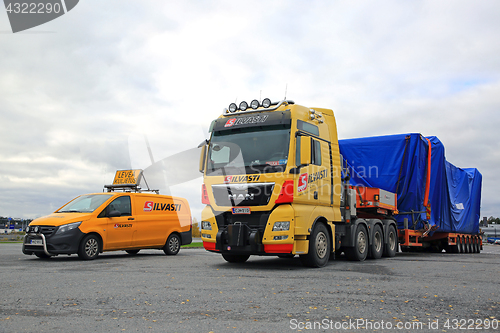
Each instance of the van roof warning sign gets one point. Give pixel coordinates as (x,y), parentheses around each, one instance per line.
(127,177)
(129,180)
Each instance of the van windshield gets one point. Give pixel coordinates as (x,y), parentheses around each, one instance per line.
(85,203)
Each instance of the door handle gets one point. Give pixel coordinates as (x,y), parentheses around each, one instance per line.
(131,218)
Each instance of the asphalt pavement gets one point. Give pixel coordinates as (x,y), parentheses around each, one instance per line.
(197,291)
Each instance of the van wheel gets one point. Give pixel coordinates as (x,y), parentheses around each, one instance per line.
(235,257)
(90,247)
(360,249)
(173,245)
(319,248)
(132,252)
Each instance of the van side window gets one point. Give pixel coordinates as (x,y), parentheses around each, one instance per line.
(121,204)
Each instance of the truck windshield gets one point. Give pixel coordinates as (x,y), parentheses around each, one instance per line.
(85,203)
(249,150)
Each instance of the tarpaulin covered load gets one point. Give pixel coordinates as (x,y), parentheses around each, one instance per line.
(398,163)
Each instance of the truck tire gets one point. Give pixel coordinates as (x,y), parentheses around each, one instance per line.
(90,247)
(460,245)
(319,248)
(391,246)
(360,249)
(235,258)
(173,245)
(377,246)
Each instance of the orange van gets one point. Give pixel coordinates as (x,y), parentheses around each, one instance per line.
(94,223)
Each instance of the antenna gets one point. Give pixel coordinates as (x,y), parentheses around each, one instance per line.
(286,88)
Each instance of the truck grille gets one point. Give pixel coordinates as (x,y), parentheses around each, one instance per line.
(245,194)
(46,230)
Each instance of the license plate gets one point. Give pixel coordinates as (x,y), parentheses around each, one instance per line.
(36,242)
(241,210)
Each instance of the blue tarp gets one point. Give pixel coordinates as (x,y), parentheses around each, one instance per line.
(398,163)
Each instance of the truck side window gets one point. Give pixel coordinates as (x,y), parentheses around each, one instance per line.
(121,204)
(316,152)
(297,151)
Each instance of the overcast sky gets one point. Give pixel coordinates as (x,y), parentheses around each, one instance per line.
(78,95)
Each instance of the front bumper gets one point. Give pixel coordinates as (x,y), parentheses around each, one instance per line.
(53,244)
(239,238)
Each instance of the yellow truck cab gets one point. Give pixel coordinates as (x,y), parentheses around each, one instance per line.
(122,218)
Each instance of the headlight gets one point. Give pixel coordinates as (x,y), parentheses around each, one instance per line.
(243,106)
(281,226)
(205,225)
(233,107)
(67,227)
(266,103)
(27,229)
(254,104)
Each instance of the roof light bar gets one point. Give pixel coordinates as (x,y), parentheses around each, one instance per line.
(265,105)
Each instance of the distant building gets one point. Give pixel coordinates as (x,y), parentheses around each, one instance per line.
(492,230)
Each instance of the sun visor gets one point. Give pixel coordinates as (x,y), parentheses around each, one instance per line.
(252,120)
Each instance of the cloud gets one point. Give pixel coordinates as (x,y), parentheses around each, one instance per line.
(76,103)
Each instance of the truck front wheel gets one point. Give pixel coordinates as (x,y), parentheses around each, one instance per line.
(360,249)
(319,248)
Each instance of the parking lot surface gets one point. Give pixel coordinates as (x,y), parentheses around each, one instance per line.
(197,291)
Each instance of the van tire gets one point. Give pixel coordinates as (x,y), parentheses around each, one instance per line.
(90,247)
(132,252)
(42,255)
(173,245)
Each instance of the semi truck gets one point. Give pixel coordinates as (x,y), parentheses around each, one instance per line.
(278,182)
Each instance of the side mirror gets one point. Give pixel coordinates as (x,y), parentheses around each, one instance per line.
(203,155)
(305,150)
(114,213)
